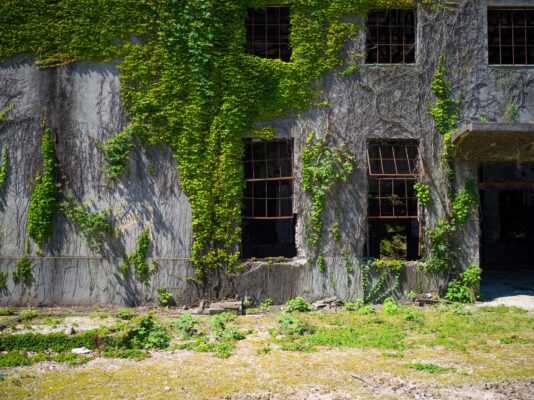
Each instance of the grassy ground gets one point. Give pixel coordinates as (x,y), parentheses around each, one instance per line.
(396,352)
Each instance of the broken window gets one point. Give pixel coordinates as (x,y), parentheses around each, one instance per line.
(268,32)
(394,226)
(268,221)
(511,36)
(391,37)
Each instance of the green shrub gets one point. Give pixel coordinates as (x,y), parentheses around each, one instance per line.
(390,307)
(14,359)
(298,304)
(165,298)
(265,304)
(124,314)
(463,290)
(147,335)
(289,325)
(187,325)
(5,311)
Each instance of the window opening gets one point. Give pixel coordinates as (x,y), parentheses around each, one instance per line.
(511,36)
(268,32)
(393,218)
(268,220)
(391,36)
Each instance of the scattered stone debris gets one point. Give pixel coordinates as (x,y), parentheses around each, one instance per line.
(226,306)
(331,303)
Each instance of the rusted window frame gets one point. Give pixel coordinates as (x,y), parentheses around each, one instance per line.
(284,48)
(288,179)
(512,29)
(412,177)
(406,47)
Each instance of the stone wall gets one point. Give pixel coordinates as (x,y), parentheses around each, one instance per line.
(81,105)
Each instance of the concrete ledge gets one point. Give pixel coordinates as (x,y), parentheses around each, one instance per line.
(494,142)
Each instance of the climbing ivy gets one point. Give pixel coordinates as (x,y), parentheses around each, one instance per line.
(95,225)
(116,152)
(422,192)
(137,259)
(445,111)
(187,82)
(44,200)
(323,166)
(3,167)
(23,272)
(387,270)
(443,248)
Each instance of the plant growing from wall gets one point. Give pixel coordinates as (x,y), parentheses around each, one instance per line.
(323,166)
(443,248)
(388,271)
(3,167)
(5,112)
(23,273)
(44,200)
(116,152)
(3,283)
(422,192)
(138,259)
(512,113)
(95,225)
(445,111)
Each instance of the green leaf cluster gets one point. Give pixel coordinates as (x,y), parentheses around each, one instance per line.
(422,192)
(445,111)
(23,272)
(464,288)
(95,225)
(323,166)
(138,260)
(44,200)
(116,152)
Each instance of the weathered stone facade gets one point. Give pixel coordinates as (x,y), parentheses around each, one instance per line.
(82,107)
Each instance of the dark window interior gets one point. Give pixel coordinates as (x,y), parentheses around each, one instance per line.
(268,220)
(511,36)
(394,228)
(268,32)
(391,37)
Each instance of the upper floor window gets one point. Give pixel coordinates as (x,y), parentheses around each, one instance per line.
(391,37)
(268,32)
(511,36)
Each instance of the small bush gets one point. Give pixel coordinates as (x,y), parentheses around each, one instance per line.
(463,290)
(289,325)
(187,325)
(390,307)
(6,311)
(366,310)
(14,359)
(265,304)
(26,315)
(165,298)
(298,304)
(147,335)
(124,314)
(349,306)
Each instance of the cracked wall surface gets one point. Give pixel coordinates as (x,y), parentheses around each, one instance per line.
(82,104)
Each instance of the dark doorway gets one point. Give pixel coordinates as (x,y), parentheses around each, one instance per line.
(507,229)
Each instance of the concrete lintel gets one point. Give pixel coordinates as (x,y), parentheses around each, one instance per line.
(507,142)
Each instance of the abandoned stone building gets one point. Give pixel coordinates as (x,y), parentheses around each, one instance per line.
(374,110)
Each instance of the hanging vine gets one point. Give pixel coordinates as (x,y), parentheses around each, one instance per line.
(44,199)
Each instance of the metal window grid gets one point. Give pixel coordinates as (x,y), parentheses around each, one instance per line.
(268,180)
(391,36)
(393,169)
(268,32)
(511,36)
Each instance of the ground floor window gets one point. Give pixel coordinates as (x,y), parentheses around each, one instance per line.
(394,228)
(268,220)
